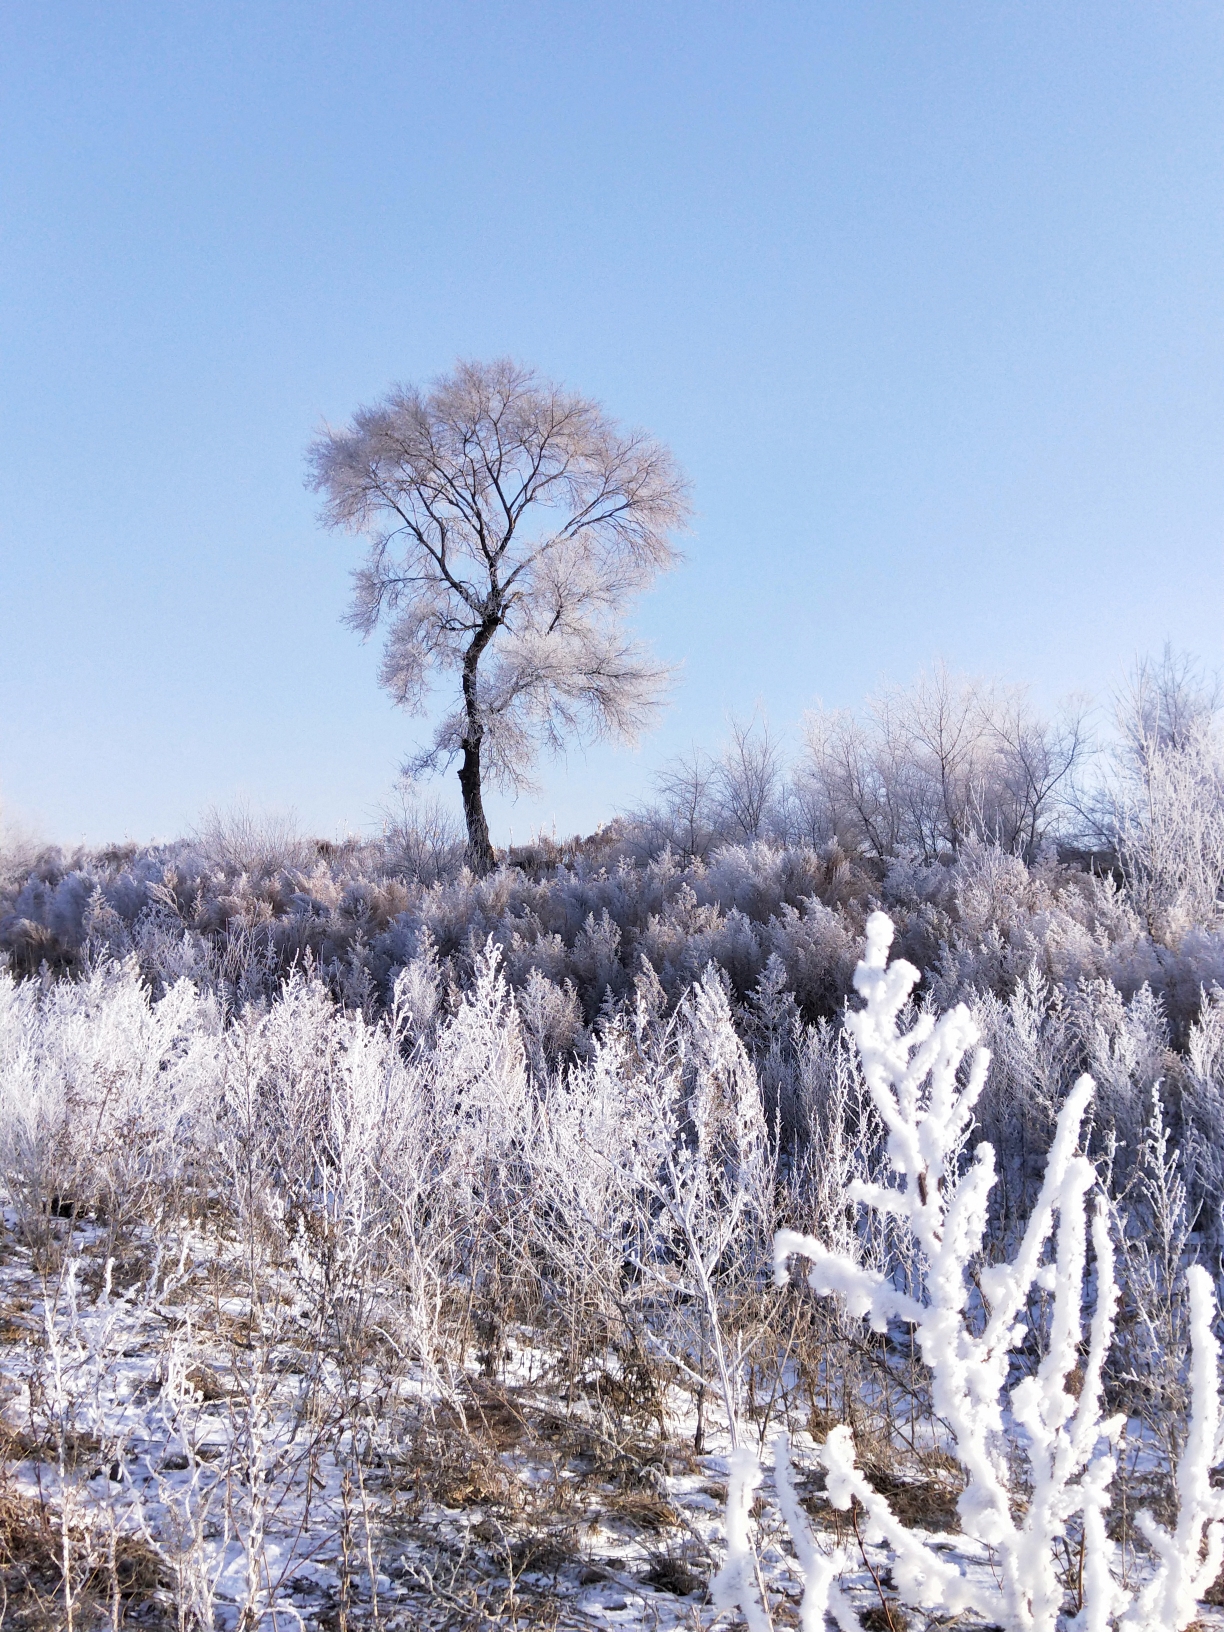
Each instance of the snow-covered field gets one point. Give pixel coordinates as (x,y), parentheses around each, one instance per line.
(190,1472)
(460,1308)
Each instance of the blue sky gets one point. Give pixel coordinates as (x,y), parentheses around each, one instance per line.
(926,298)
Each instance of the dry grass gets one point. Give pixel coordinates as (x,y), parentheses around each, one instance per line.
(81,1451)
(640,1511)
(676,1572)
(125,1585)
(920,1503)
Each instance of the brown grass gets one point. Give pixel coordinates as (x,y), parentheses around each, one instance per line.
(31,1574)
(641,1510)
(674,1572)
(920,1503)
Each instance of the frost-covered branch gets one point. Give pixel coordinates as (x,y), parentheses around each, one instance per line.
(923,1083)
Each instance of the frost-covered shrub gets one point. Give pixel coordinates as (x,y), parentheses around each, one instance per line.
(185,908)
(981,923)
(1058,964)
(967,1316)
(105,1097)
(1170,828)
(485,1165)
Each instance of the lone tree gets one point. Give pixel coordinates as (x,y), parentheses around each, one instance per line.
(510,521)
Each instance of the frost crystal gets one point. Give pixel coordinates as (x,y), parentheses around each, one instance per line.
(923,1083)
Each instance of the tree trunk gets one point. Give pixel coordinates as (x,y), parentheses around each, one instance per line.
(480,857)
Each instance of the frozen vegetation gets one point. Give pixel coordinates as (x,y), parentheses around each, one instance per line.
(620,1238)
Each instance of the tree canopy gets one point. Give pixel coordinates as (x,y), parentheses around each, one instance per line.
(510,521)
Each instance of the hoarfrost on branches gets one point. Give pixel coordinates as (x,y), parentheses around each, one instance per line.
(925,1095)
(509,521)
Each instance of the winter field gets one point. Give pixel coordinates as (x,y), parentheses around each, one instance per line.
(589,1245)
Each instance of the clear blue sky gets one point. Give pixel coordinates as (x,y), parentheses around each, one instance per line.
(926,298)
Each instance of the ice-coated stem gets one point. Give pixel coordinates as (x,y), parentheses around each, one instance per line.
(926,1105)
(735,1585)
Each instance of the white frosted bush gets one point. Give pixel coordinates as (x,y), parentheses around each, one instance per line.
(724,1099)
(551,1019)
(1170,829)
(479,1070)
(924,1083)
(1203,1105)
(417,995)
(104,1094)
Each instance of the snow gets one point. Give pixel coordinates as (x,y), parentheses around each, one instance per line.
(227,1341)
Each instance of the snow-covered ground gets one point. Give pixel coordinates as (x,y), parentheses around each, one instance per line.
(163,1416)
(311,1320)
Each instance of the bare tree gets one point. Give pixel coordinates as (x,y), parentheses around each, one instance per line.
(1164,807)
(1035,767)
(685,816)
(946,761)
(701,801)
(420,836)
(1165,705)
(748,779)
(510,521)
(852,772)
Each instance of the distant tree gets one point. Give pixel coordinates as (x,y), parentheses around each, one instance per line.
(421,837)
(1164,704)
(701,801)
(948,760)
(683,815)
(510,522)
(748,779)
(1162,811)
